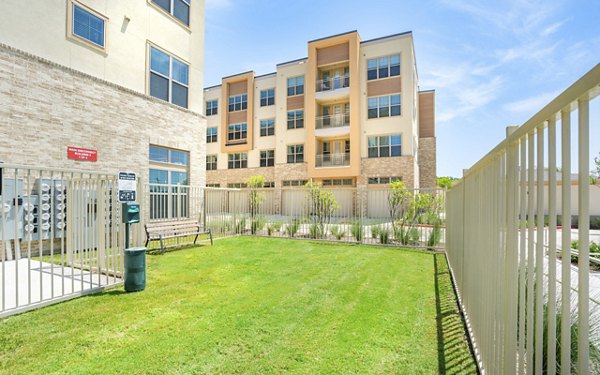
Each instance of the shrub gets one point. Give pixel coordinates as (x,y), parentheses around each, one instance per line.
(315,230)
(384,235)
(240,225)
(357,230)
(292,228)
(435,235)
(375,230)
(337,232)
(257,224)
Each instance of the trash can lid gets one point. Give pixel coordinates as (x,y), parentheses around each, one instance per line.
(135,250)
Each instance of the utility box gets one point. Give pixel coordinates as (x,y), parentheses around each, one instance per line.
(130,212)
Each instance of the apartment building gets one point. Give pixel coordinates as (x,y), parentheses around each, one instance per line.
(349,114)
(104,85)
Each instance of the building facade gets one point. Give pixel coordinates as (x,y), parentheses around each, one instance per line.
(350,114)
(121,80)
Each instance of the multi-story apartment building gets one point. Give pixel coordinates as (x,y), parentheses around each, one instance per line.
(350,114)
(105,85)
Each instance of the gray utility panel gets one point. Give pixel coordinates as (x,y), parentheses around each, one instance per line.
(11,209)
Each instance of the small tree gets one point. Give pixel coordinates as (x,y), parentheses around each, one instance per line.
(446,182)
(398,201)
(321,205)
(255,198)
(595,173)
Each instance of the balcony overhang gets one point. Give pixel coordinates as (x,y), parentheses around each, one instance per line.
(332,95)
(332,132)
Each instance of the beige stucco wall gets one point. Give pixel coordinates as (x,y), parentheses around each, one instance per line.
(404,123)
(47,107)
(40,28)
(285,137)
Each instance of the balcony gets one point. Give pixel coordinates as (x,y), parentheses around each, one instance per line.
(333,121)
(334,83)
(334,88)
(333,160)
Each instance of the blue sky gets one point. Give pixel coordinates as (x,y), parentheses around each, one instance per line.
(492,63)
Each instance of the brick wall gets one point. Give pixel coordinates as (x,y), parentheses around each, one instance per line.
(403,166)
(46,107)
(427,162)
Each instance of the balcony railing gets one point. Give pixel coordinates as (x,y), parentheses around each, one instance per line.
(333,121)
(333,160)
(334,83)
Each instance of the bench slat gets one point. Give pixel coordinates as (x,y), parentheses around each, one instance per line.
(162,230)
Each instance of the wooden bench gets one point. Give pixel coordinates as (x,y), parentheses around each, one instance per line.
(162,230)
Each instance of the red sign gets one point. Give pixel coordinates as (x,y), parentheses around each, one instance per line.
(82,154)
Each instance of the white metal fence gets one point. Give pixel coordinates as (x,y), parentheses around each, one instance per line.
(360,215)
(527,309)
(59,235)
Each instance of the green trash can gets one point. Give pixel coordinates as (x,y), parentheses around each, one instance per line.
(135,269)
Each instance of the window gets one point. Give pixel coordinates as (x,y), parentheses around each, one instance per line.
(267,97)
(167,155)
(267,158)
(211,162)
(88,26)
(383,67)
(212,107)
(295,119)
(381,147)
(237,185)
(269,184)
(383,180)
(213,185)
(237,132)
(384,106)
(211,135)
(238,102)
(295,182)
(267,127)
(295,86)
(179,9)
(168,78)
(237,161)
(338,182)
(295,154)
(160,176)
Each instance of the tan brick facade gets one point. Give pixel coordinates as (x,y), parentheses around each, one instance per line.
(47,107)
(276,174)
(403,166)
(427,162)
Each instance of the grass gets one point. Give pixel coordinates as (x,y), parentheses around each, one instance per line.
(255,305)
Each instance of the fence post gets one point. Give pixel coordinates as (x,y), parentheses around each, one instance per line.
(510,252)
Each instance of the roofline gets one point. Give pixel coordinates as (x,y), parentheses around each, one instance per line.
(387,37)
(292,61)
(426,91)
(238,74)
(332,36)
(265,75)
(212,87)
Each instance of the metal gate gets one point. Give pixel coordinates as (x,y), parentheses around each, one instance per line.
(60,235)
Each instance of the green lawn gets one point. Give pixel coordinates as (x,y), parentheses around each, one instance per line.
(255,305)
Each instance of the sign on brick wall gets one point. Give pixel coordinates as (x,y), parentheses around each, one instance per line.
(82,154)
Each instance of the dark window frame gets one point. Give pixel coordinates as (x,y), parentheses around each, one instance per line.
(212,135)
(296,121)
(267,158)
(295,154)
(267,97)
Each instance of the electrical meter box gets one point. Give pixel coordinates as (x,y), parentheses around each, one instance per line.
(130,212)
